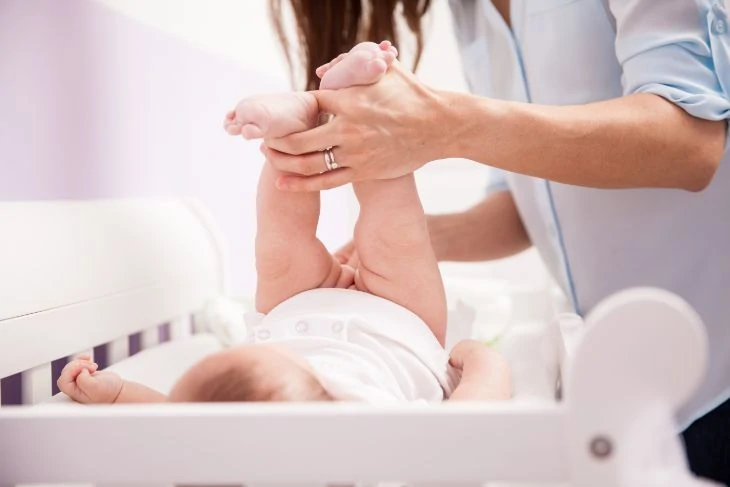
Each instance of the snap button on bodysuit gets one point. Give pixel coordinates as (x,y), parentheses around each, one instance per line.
(301,327)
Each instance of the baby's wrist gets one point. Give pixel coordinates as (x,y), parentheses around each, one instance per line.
(115,397)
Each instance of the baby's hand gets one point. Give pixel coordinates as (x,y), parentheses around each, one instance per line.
(81,382)
(466,349)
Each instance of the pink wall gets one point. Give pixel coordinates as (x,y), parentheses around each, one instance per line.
(95,105)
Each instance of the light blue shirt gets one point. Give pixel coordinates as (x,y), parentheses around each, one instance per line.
(596,242)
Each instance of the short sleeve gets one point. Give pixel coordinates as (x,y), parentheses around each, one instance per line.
(677,49)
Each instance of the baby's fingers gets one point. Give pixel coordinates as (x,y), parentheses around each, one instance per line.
(67,380)
(85,380)
(72,370)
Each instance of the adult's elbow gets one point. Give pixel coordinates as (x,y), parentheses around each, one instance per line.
(705,154)
(702,173)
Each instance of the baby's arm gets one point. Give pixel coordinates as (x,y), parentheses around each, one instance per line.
(289,257)
(485,374)
(82,382)
(134,392)
(396,259)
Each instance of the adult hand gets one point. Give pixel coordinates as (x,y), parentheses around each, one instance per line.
(380,131)
(347,255)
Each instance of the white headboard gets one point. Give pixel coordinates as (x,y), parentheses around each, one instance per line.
(81,274)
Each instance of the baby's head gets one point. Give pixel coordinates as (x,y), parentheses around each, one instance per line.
(254,373)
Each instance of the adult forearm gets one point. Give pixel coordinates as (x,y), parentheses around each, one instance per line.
(630,142)
(490,230)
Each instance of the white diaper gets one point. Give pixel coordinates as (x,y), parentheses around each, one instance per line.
(363,348)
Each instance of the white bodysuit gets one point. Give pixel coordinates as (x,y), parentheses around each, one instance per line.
(362,347)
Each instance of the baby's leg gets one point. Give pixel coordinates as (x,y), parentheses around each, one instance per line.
(397,261)
(289,257)
(271,116)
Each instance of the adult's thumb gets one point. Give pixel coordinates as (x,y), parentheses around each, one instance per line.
(327,101)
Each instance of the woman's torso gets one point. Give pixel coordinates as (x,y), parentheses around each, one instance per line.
(596,242)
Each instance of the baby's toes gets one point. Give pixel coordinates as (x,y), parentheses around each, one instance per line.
(326,67)
(387,46)
(254,114)
(388,57)
(251,131)
(233,128)
(376,67)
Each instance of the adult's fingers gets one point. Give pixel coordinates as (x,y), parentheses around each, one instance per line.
(328,180)
(344,254)
(348,255)
(313,140)
(329,101)
(304,165)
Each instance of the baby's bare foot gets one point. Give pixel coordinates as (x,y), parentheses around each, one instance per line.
(270,116)
(363,65)
(368,46)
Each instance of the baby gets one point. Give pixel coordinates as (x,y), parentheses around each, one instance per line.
(327,331)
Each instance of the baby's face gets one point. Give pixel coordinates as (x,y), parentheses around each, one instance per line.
(249,373)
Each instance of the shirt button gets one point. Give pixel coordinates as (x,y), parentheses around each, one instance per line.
(263,334)
(301,327)
(719,27)
(337,327)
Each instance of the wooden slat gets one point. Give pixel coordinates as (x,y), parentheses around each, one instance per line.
(117,350)
(150,337)
(37,384)
(180,328)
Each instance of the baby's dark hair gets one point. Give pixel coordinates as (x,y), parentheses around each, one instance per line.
(233,383)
